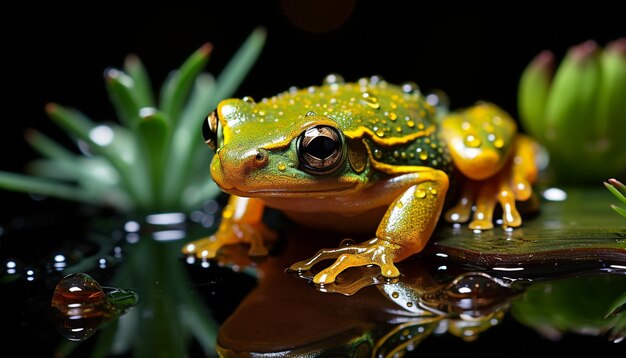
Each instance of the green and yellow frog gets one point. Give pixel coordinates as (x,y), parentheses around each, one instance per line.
(358,157)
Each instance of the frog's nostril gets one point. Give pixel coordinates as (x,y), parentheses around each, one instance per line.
(260,158)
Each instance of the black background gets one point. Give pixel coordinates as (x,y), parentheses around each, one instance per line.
(472,52)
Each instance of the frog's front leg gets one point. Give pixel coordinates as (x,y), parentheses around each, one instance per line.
(497,165)
(241,223)
(404,230)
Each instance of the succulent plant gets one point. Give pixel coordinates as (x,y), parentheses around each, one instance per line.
(578,112)
(619,190)
(153,159)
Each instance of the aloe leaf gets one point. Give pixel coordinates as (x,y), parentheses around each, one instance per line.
(179,83)
(187,138)
(48,147)
(153,130)
(239,66)
(141,81)
(30,184)
(76,124)
(120,88)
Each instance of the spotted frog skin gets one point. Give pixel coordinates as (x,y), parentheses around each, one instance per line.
(365,156)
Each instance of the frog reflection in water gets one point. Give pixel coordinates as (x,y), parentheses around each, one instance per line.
(359,157)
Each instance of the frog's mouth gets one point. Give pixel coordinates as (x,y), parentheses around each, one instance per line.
(281,192)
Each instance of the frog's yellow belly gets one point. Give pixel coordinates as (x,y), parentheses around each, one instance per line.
(359,211)
(361,222)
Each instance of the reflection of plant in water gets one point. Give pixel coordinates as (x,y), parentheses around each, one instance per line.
(151,160)
(575,305)
(619,190)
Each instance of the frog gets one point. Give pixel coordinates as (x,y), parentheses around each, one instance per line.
(367,156)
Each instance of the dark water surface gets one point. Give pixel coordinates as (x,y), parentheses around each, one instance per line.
(543,288)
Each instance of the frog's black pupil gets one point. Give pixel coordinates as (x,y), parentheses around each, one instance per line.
(207,133)
(322,147)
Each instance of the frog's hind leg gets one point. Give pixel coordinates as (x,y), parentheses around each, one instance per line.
(497,165)
(404,230)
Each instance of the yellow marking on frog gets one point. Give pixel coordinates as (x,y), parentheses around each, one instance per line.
(391,141)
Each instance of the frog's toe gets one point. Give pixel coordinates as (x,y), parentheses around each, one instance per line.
(205,248)
(321,255)
(345,261)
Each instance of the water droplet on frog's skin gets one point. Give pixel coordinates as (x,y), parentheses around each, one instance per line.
(423,155)
(395,294)
(334,79)
(363,81)
(293,89)
(248,99)
(420,193)
(370,100)
(282,166)
(472,141)
(378,154)
(438,99)
(376,79)
(410,88)
(310,113)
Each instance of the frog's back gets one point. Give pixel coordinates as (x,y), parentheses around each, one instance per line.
(398,126)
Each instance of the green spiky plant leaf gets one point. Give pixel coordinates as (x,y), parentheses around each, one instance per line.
(619,190)
(147,161)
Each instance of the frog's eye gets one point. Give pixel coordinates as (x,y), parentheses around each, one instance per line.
(209,130)
(320,149)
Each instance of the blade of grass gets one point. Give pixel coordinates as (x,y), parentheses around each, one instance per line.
(141,81)
(613,188)
(619,210)
(179,83)
(238,67)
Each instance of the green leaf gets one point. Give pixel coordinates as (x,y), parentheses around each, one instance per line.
(619,210)
(179,83)
(187,139)
(76,124)
(120,88)
(239,66)
(533,91)
(153,130)
(48,147)
(618,306)
(617,189)
(30,184)
(141,81)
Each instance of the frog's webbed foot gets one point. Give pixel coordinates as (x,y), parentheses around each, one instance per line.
(230,233)
(512,183)
(241,223)
(374,252)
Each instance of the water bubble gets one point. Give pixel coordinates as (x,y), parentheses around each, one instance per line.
(334,78)
(410,88)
